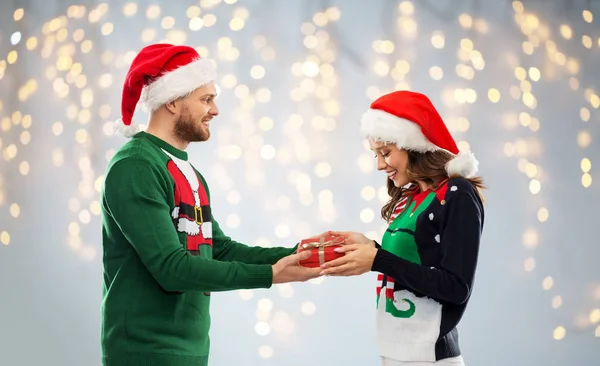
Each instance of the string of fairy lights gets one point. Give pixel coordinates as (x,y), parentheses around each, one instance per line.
(70,54)
(539,39)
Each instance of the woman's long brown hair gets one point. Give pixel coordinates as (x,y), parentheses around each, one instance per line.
(428,167)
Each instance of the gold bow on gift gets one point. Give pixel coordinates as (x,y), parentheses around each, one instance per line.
(322,244)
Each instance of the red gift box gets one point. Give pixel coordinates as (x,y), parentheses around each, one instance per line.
(322,250)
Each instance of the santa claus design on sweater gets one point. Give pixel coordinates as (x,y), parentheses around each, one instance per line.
(192,214)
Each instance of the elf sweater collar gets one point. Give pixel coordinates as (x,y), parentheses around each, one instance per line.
(180,154)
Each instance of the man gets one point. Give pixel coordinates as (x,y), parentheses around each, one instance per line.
(164,252)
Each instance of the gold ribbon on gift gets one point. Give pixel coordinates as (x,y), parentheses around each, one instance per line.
(321,245)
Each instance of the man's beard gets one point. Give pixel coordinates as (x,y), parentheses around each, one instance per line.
(186,129)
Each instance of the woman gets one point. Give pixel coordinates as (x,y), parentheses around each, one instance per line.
(428,254)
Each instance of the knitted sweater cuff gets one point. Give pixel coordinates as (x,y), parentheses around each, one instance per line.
(261,276)
(384,261)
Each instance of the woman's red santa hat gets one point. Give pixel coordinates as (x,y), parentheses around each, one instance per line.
(410,121)
(159,74)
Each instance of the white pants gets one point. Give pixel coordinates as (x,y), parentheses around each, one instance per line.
(454,361)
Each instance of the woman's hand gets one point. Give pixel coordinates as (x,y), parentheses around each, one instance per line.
(353,238)
(358,259)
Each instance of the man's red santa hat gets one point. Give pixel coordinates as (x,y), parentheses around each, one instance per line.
(411,121)
(159,74)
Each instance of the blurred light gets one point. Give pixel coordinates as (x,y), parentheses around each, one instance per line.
(437,39)
(74,229)
(556,302)
(534,74)
(547,283)
(263,95)
(267,152)
(18,14)
(95,208)
(209,20)
(368,193)
(322,170)
(535,186)
(530,238)
(308,308)
(587,16)
(12,57)
(265,123)
(333,14)
(529,264)
(543,214)
(595,316)
(193,12)
(24,168)
(246,295)
(559,333)
(282,231)
(85,217)
(436,73)
(367,215)
(257,72)
(286,290)
(167,22)
(15,38)
(236,24)
(466,44)
(531,170)
(265,351)
(406,8)
(566,31)
(586,165)
(15,210)
(57,157)
(130,9)
(584,139)
(107,28)
(25,137)
(586,180)
(494,95)
(74,204)
(465,20)
(4,238)
(233,221)
(262,328)
(31,43)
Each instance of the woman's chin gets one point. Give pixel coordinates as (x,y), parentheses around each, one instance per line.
(399,184)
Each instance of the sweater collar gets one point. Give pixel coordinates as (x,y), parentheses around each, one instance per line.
(180,154)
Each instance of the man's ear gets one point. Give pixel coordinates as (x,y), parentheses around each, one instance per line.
(173,106)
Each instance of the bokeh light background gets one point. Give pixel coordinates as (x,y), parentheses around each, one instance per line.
(517,83)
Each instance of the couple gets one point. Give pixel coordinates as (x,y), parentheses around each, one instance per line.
(164,252)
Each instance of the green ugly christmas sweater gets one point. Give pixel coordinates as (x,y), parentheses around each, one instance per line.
(163,254)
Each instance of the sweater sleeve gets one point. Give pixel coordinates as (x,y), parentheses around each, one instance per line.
(226,249)
(461,229)
(136,197)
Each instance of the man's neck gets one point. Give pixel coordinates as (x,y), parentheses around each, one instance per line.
(165,133)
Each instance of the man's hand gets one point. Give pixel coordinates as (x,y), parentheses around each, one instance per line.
(353,238)
(358,259)
(287,269)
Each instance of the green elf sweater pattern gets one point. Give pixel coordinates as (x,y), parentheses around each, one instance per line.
(399,239)
(163,254)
